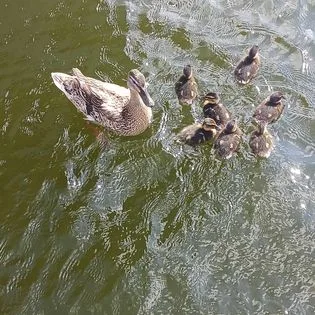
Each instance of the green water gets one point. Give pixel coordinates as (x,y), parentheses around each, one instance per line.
(149,226)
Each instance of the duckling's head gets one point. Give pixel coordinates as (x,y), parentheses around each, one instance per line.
(209,125)
(253,52)
(276,97)
(187,71)
(136,81)
(231,126)
(211,98)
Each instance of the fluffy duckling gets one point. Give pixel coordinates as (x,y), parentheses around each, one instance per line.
(248,67)
(186,87)
(228,140)
(260,141)
(124,111)
(199,132)
(270,109)
(213,108)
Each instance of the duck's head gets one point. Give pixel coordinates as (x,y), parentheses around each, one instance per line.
(136,81)
(253,52)
(187,71)
(209,125)
(211,98)
(231,126)
(276,97)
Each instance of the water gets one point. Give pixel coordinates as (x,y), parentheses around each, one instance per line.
(150,226)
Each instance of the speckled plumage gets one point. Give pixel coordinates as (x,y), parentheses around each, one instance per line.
(186,87)
(248,67)
(228,140)
(199,132)
(124,111)
(213,108)
(261,142)
(270,110)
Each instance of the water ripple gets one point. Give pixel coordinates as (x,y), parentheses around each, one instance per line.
(148,224)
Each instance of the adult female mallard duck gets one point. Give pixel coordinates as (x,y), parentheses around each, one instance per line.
(186,87)
(213,108)
(248,67)
(270,109)
(199,132)
(261,141)
(228,140)
(126,112)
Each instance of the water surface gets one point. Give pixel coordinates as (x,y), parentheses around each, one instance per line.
(150,226)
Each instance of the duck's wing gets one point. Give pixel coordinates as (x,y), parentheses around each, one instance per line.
(226,145)
(246,70)
(179,85)
(188,92)
(98,100)
(243,73)
(188,132)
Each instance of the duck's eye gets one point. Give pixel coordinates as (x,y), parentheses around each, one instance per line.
(71,85)
(68,86)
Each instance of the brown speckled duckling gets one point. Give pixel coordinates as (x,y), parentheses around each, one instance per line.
(228,140)
(186,87)
(124,111)
(270,109)
(248,67)
(261,141)
(213,108)
(199,132)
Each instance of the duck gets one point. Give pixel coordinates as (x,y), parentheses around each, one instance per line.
(213,108)
(186,87)
(261,142)
(248,67)
(124,111)
(270,109)
(228,140)
(198,133)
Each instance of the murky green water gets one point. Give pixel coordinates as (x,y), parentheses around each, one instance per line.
(150,226)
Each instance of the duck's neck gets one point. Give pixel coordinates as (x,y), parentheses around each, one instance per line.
(136,100)
(137,108)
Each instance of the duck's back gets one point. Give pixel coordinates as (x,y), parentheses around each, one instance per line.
(268,113)
(107,104)
(94,98)
(261,144)
(186,90)
(114,97)
(246,70)
(218,113)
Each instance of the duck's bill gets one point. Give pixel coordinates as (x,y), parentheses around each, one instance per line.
(146,98)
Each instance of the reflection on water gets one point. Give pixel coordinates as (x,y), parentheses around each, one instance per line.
(150,226)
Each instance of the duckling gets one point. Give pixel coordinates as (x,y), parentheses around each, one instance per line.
(213,108)
(261,141)
(270,109)
(228,140)
(186,87)
(124,111)
(248,66)
(199,132)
